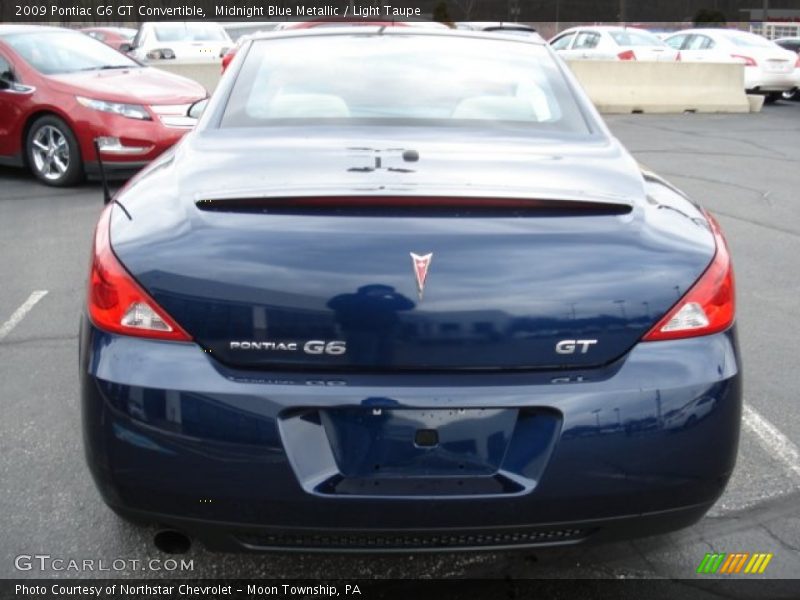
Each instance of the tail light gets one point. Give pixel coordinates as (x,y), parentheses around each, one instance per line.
(710,304)
(227,58)
(749,61)
(116,302)
(797,63)
(627,55)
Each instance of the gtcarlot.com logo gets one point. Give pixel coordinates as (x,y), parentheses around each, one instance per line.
(735,563)
(46,562)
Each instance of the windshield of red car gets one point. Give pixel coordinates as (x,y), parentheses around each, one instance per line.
(127,34)
(55,52)
(402,79)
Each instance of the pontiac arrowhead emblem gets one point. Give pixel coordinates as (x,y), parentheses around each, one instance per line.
(421,265)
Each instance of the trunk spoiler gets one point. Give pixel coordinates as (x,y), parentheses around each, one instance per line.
(383,204)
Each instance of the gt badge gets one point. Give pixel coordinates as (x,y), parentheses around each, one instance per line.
(421,265)
(571,346)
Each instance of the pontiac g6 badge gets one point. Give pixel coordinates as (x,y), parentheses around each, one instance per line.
(421,265)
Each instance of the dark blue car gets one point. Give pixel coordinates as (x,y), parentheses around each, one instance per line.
(401,289)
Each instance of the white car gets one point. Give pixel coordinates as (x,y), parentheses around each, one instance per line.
(611,43)
(190,40)
(768,68)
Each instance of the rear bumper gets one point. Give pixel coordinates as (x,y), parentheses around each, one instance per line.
(238,459)
(235,537)
(758,80)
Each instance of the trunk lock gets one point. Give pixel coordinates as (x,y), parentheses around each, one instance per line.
(426,438)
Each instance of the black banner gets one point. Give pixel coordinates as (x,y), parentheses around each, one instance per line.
(482,589)
(632,11)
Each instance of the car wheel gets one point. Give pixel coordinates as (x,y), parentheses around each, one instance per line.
(773,97)
(53,152)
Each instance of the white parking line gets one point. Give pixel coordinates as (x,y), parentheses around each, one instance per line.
(20,313)
(774,442)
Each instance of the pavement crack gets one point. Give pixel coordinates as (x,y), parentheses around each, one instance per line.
(708,544)
(770,152)
(758,191)
(757,223)
(690,152)
(778,539)
(653,569)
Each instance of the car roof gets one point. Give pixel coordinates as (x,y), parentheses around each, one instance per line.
(688,31)
(713,30)
(364,31)
(605,28)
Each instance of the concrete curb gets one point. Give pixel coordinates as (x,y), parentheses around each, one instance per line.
(618,87)
(756,102)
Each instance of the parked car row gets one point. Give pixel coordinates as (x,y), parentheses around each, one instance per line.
(769,68)
(70,101)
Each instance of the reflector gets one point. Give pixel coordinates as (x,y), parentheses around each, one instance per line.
(142,316)
(690,316)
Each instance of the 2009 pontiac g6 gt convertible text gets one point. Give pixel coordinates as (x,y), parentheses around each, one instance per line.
(401,289)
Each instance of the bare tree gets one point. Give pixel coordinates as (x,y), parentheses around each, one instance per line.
(466,7)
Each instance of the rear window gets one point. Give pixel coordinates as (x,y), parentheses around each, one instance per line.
(190,32)
(629,37)
(401,79)
(749,40)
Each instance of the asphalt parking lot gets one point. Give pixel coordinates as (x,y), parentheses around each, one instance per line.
(745,168)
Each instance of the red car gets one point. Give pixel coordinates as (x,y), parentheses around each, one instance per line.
(229,55)
(111,36)
(60,91)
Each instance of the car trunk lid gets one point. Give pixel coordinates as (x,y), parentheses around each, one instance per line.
(268,275)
